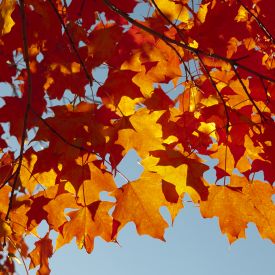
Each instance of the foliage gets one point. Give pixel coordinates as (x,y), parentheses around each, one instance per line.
(189,85)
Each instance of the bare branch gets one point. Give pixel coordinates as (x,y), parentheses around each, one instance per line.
(27,109)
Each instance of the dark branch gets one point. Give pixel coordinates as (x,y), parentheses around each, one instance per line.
(27,109)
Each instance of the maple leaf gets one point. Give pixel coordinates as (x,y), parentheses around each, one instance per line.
(4,198)
(86,223)
(238,204)
(39,256)
(30,180)
(6,22)
(146,134)
(175,175)
(139,202)
(175,10)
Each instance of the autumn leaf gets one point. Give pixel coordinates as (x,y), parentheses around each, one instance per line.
(85,224)
(6,21)
(175,175)
(40,255)
(5,229)
(146,134)
(174,10)
(4,198)
(238,204)
(139,202)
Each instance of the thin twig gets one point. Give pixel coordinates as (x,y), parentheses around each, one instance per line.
(87,74)
(27,110)
(247,93)
(21,256)
(219,94)
(7,180)
(259,22)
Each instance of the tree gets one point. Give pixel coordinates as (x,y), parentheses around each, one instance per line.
(186,82)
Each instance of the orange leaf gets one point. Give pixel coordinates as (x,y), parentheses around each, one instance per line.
(238,204)
(6,22)
(40,255)
(85,224)
(139,202)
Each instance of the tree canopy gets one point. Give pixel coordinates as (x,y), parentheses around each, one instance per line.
(189,85)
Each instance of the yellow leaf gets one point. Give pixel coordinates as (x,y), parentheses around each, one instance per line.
(165,65)
(30,180)
(252,153)
(175,175)
(210,101)
(170,139)
(89,190)
(85,224)
(173,10)
(6,22)
(5,229)
(240,203)
(4,198)
(225,157)
(202,12)
(147,133)
(208,128)
(239,99)
(194,44)
(242,15)
(139,202)
(127,105)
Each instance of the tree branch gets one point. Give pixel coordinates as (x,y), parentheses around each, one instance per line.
(27,109)
(247,93)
